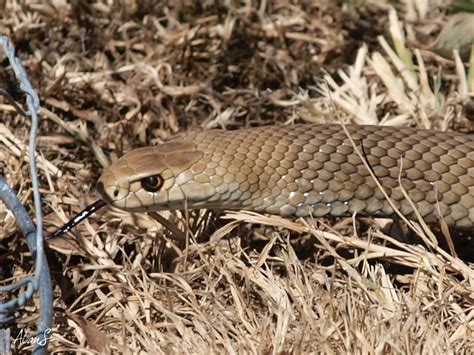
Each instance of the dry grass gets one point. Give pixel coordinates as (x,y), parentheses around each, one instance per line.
(115,77)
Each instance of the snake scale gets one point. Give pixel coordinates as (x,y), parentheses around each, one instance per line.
(302,170)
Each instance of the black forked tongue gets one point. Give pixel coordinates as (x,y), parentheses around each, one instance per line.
(86,212)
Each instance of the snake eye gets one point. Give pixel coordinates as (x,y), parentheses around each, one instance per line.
(152,183)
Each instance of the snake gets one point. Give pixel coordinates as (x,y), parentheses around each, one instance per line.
(303,170)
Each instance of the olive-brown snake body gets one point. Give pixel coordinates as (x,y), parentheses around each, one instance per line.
(302,170)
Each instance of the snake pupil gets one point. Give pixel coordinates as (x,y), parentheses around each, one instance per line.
(152,183)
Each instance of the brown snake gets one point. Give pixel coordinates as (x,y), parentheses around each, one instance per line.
(302,170)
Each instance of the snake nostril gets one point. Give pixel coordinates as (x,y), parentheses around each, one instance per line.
(116,192)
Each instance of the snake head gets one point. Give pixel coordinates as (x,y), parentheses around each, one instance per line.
(149,179)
